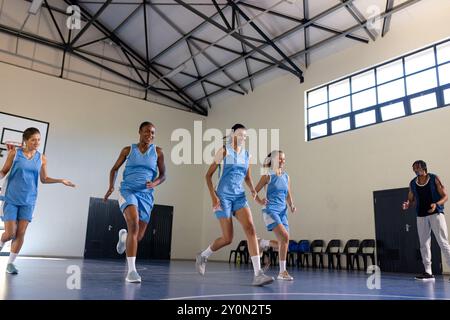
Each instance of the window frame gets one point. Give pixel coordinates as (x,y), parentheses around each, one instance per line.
(438,90)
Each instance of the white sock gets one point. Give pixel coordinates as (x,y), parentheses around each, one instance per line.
(131,263)
(1,244)
(256,264)
(265,243)
(428,270)
(282,266)
(208,252)
(12,257)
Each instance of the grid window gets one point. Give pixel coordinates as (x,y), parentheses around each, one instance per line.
(443,52)
(318,113)
(421,81)
(340,125)
(364,99)
(444,74)
(363,81)
(339,89)
(424,102)
(419,61)
(365,118)
(319,131)
(340,106)
(405,86)
(390,71)
(391,91)
(392,111)
(447,96)
(317,97)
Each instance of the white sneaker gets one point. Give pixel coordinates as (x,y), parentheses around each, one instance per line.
(11,269)
(200,263)
(261,279)
(122,243)
(133,277)
(285,276)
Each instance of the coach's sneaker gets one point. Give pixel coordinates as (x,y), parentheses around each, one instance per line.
(122,243)
(200,263)
(133,277)
(261,279)
(11,268)
(285,276)
(425,277)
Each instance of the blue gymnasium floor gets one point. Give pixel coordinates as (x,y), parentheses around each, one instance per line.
(47,279)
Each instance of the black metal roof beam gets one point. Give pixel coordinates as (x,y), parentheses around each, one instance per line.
(183,38)
(239,53)
(62,47)
(219,10)
(91,21)
(137,68)
(146,44)
(93,54)
(196,77)
(244,50)
(271,12)
(31,37)
(233,18)
(63,62)
(54,22)
(304,20)
(198,72)
(115,29)
(387,20)
(282,36)
(91,42)
(254,39)
(318,45)
(134,67)
(75,53)
(238,37)
(139,59)
(306,30)
(335,31)
(359,17)
(207,56)
(127,18)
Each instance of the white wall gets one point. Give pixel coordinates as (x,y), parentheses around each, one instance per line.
(333,178)
(88,128)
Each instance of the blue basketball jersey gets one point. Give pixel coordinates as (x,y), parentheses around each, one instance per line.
(235,167)
(23,179)
(140,168)
(277,191)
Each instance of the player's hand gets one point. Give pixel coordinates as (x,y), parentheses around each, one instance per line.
(262,202)
(150,185)
(293,209)
(405,205)
(108,193)
(432,208)
(68,183)
(216,203)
